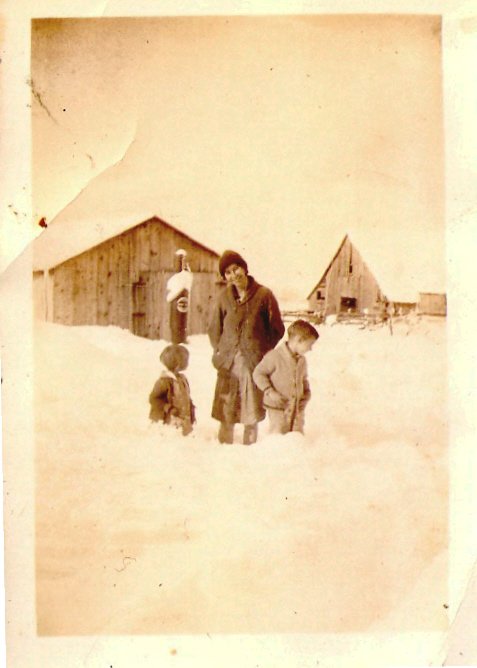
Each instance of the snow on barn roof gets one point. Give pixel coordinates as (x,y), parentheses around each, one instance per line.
(401,269)
(68,238)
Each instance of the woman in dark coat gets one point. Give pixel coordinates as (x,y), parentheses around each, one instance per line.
(245,324)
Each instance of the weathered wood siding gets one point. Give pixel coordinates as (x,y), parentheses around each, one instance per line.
(432,303)
(317,300)
(122,282)
(348,277)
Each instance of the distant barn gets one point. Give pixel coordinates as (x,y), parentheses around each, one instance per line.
(122,282)
(432,303)
(348,285)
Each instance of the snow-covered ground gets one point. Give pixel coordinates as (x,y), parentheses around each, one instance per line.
(143,531)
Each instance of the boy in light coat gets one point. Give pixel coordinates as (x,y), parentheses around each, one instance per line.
(282,376)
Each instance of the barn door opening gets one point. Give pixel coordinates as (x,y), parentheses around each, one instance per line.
(139,302)
(348,305)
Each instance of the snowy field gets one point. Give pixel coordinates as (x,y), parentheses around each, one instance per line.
(142,531)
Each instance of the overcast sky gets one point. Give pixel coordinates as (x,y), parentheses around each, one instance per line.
(270,135)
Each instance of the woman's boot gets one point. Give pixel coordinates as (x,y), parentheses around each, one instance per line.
(250,433)
(226,432)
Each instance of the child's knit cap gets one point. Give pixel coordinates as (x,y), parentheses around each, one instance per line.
(175,357)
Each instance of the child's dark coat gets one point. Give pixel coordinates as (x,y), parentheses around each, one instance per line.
(171,403)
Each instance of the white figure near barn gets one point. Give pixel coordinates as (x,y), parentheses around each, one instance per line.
(123,281)
(178,289)
(349,286)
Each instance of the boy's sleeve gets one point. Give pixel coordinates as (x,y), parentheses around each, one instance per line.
(262,372)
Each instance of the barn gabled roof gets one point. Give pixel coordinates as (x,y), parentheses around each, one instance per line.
(328,267)
(61,247)
(399,277)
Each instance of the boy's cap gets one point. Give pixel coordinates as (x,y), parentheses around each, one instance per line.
(173,356)
(229,257)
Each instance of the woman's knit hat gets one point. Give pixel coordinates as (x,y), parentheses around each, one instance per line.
(229,257)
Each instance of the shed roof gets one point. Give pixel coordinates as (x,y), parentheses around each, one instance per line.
(60,243)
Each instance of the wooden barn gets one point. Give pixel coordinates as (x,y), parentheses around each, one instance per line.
(122,282)
(349,286)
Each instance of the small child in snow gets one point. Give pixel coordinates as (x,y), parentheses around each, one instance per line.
(170,397)
(282,376)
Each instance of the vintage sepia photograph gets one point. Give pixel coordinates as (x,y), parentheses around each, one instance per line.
(237,333)
(240,356)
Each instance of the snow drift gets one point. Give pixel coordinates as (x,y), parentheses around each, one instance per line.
(140,530)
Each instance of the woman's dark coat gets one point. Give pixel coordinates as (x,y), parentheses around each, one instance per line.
(253,326)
